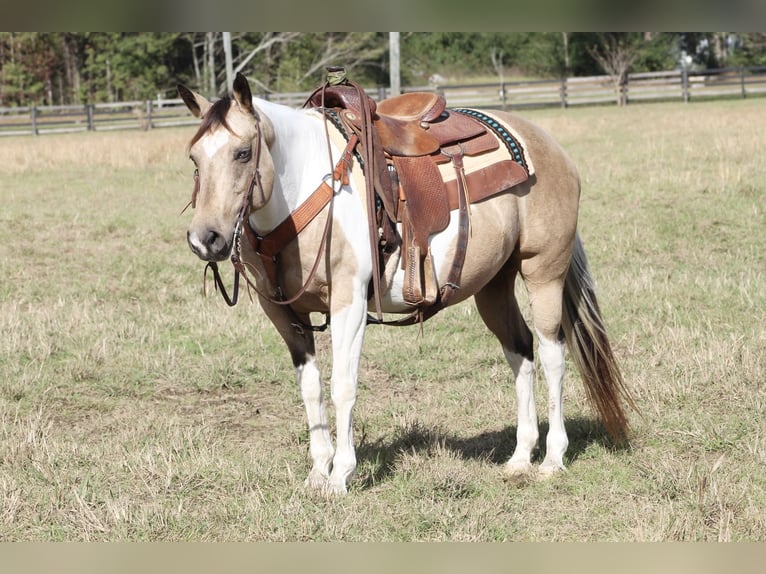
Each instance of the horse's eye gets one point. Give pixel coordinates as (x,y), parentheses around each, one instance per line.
(242,155)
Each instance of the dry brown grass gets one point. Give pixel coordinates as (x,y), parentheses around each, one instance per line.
(122,150)
(132,408)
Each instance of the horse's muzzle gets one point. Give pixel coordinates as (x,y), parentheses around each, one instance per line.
(209,245)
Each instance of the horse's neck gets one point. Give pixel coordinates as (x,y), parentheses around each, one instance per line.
(299,153)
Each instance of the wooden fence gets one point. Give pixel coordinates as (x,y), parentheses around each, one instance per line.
(94,117)
(677,85)
(601,90)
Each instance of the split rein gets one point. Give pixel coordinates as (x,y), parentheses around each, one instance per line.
(268,248)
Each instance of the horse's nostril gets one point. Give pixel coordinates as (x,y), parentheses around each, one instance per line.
(211,239)
(216,244)
(208,244)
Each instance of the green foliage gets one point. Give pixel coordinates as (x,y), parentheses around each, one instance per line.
(88,67)
(751,51)
(657,53)
(24,64)
(126,66)
(541,54)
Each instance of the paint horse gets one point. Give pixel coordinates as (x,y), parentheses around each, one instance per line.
(283,192)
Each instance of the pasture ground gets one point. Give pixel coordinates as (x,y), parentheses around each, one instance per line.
(134,408)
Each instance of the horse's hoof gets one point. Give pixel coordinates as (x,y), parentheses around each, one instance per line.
(518,468)
(315,481)
(332,489)
(550,469)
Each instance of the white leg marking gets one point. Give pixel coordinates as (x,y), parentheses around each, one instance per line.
(347,338)
(320,442)
(526,431)
(552,359)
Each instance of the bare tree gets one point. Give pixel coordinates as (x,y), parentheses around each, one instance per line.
(721,47)
(268,40)
(565,47)
(352,49)
(496,56)
(616,55)
(209,63)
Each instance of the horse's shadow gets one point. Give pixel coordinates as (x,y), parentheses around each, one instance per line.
(379,459)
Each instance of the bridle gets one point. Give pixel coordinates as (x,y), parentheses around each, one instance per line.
(268,247)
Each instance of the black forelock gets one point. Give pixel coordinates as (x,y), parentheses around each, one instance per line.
(215,116)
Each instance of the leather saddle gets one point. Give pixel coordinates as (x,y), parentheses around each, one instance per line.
(409,125)
(411,134)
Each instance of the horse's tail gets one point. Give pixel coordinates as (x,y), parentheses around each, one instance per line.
(589,347)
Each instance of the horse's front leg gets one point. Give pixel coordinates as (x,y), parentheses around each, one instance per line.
(320,441)
(348,326)
(301,346)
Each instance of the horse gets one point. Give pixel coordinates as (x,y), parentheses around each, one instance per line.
(259,164)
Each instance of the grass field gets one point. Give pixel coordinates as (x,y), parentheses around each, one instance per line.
(134,408)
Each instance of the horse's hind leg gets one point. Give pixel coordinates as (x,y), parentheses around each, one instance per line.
(545,300)
(499,310)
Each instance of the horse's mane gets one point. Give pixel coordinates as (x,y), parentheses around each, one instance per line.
(215,116)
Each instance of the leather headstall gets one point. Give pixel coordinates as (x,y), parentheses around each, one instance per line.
(269,246)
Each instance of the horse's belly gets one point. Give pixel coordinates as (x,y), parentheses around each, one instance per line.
(492,238)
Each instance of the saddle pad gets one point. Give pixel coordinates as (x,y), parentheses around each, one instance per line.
(492,178)
(513,142)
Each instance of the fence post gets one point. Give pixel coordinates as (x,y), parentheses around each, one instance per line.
(503,95)
(148,115)
(89,114)
(563,92)
(34,120)
(685,84)
(624,90)
(742,81)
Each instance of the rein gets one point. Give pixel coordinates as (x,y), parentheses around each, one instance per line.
(269,246)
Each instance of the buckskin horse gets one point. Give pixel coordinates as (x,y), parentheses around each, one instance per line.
(347,207)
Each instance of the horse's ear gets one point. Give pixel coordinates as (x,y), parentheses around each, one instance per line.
(197,104)
(242,94)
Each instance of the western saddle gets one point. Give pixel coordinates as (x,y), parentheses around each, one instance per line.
(401,143)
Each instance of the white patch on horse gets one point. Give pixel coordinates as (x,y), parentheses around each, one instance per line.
(320,441)
(214,142)
(527,432)
(551,355)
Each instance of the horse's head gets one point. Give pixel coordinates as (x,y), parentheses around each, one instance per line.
(234,171)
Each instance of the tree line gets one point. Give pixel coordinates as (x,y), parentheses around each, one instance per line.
(57,68)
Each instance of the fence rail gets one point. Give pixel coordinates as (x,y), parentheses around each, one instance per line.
(145,115)
(594,90)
